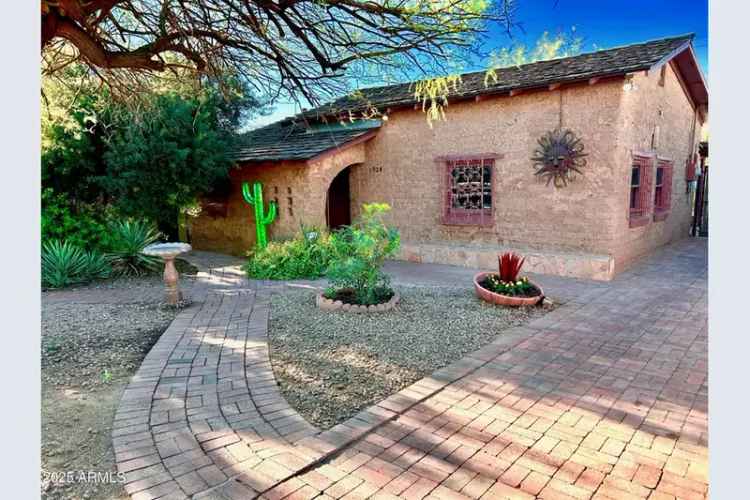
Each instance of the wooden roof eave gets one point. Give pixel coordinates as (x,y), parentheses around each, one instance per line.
(690,76)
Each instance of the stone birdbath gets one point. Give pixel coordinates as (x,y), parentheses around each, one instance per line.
(168,252)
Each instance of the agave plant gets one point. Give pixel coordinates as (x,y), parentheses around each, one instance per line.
(62,264)
(129,238)
(65,264)
(97,265)
(509,266)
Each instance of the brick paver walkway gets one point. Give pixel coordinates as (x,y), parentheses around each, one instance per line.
(605,397)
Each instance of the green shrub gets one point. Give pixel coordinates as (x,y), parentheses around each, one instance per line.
(65,264)
(359,251)
(305,257)
(83,226)
(129,238)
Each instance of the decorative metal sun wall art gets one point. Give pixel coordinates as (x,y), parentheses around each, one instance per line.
(559,157)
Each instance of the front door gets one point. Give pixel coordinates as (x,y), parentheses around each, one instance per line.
(337,210)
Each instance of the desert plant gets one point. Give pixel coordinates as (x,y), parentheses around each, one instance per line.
(62,264)
(129,238)
(509,266)
(96,265)
(359,252)
(65,264)
(263,218)
(305,257)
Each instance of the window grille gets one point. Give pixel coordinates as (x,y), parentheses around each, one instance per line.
(468,197)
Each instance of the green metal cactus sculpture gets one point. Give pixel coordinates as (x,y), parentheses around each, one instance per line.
(261,221)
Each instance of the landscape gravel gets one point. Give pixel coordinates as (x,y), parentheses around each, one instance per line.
(330,365)
(94,337)
(82,341)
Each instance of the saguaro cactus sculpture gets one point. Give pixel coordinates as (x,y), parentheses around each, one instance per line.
(261,221)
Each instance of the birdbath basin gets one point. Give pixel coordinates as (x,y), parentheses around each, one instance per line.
(168,252)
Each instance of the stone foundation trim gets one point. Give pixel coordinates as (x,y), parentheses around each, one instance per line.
(569,264)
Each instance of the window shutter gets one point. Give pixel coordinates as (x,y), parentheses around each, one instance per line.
(647,192)
(661,210)
(640,214)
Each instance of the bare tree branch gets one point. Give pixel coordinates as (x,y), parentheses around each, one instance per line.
(301,47)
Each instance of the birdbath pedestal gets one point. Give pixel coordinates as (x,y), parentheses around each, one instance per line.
(168,252)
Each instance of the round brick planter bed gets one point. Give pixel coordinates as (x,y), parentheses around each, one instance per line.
(504,300)
(337,305)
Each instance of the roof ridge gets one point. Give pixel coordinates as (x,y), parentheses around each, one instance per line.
(586,60)
(690,36)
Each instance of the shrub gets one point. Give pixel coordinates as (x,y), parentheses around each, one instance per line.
(129,238)
(305,257)
(65,264)
(83,226)
(359,251)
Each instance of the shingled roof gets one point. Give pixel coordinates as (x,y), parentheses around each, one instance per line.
(294,139)
(603,63)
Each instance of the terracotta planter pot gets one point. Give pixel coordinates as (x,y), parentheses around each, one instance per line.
(504,300)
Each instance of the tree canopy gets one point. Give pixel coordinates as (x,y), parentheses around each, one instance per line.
(151,160)
(546,47)
(300,47)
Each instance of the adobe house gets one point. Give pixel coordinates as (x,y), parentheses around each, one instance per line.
(465,189)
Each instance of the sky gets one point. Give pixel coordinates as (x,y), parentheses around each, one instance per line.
(601,23)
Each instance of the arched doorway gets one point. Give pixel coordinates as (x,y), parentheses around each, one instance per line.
(338,211)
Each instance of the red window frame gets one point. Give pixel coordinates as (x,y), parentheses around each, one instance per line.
(467,217)
(663,191)
(640,193)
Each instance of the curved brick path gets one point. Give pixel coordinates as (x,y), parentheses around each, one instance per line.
(605,397)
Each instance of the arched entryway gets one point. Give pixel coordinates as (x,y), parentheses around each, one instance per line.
(338,204)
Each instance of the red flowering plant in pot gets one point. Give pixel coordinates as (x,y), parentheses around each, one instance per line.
(506,287)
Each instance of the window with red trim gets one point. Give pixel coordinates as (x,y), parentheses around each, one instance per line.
(663,190)
(640,191)
(468,195)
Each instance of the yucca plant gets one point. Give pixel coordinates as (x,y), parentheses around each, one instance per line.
(129,238)
(64,264)
(97,265)
(509,266)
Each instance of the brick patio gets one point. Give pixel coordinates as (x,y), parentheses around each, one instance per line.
(605,397)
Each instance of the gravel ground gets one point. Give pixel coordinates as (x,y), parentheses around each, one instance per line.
(94,338)
(330,365)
